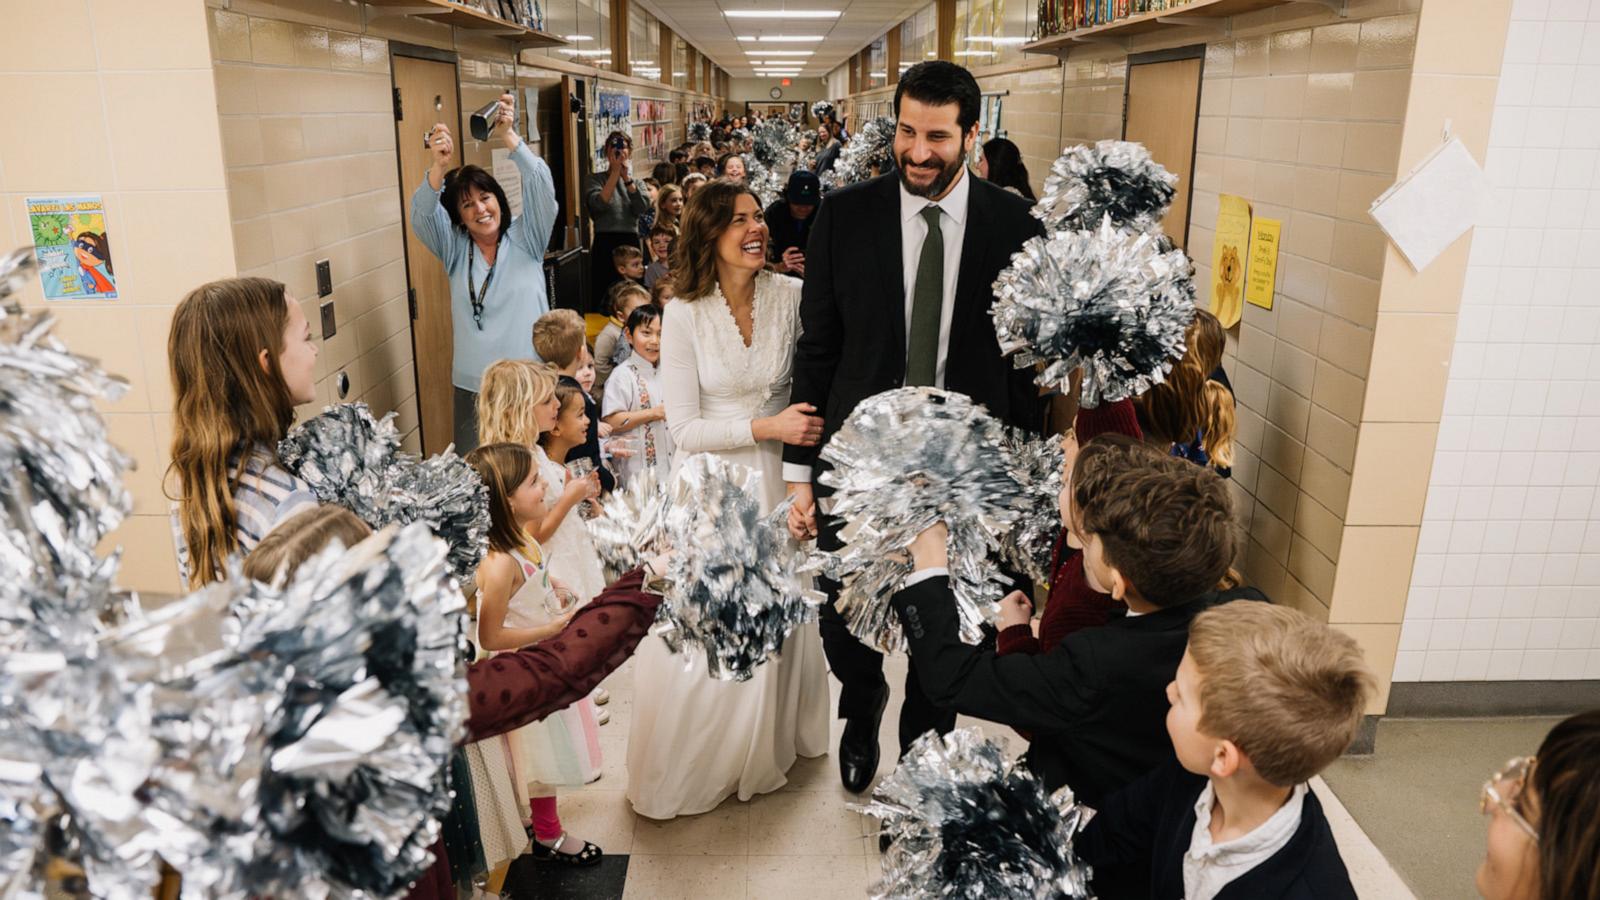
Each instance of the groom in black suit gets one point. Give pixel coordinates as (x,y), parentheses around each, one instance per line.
(899,280)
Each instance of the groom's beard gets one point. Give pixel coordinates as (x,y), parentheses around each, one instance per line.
(947,174)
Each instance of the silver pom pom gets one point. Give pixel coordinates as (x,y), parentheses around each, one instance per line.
(627,530)
(352,460)
(870,147)
(736,586)
(1037,464)
(1112,178)
(905,460)
(699,131)
(965,820)
(822,110)
(266,742)
(306,732)
(60,477)
(1111,301)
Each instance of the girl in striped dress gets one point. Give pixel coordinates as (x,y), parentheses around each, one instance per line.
(242,359)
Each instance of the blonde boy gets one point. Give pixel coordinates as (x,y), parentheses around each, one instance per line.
(1265,698)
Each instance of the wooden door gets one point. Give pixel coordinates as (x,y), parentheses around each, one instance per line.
(427,94)
(1162,112)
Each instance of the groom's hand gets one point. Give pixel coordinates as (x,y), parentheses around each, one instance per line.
(803,512)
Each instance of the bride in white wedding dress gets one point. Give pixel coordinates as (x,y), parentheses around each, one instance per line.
(727,350)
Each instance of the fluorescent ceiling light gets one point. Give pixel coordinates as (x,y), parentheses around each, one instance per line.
(579,37)
(680,74)
(975,53)
(779,52)
(878,74)
(783,38)
(781,13)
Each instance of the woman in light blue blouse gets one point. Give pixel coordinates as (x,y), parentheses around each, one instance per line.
(495,261)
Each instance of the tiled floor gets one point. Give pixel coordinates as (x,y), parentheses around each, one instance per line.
(1418,795)
(801,841)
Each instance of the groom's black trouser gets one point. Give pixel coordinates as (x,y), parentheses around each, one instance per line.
(859,668)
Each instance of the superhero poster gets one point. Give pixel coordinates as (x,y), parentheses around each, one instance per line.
(74,252)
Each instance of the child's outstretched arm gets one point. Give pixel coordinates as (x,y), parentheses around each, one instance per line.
(512,689)
(1046,693)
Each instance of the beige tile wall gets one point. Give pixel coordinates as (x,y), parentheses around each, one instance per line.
(111,98)
(308,139)
(1456,75)
(1302,117)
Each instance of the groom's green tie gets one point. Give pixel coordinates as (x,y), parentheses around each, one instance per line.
(927,299)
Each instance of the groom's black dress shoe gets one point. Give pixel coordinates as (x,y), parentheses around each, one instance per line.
(858,748)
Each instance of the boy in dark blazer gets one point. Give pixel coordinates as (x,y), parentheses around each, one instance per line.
(1263,700)
(1158,535)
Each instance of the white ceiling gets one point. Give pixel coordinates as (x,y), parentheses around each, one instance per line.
(701,23)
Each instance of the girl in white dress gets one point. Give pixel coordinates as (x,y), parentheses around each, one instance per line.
(727,350)
(516,607)
(518,404)
(573,558)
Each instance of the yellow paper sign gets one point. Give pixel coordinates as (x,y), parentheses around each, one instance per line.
(1262,276)
(1228,259)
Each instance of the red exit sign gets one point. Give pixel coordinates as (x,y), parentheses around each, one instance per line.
(786,82)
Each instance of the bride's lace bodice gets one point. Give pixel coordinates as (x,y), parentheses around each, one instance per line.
(714,384)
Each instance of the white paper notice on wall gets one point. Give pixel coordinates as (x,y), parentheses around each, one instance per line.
(1434,204)
(505,172)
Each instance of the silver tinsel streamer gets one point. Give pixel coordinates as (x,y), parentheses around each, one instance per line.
(905,460)
(266,742)
(1110,300)
(1036,463)
(1111,178)
(822,110)
(306,732)
(737,586)
(871,146)
(62,721)
(699,131)
(345,454)
(355,461)
(628,529)
(965,820)
(60,478)
(776,153)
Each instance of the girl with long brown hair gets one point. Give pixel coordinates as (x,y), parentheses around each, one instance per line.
(1192,411)
(242,359)
(727,350)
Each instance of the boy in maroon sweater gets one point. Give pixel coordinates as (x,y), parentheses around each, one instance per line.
(1073,605)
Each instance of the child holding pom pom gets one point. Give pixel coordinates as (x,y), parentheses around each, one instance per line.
(242,359)
(504,693)
(1158,535)
(520,604)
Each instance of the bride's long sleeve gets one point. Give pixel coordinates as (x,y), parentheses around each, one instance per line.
(680,382)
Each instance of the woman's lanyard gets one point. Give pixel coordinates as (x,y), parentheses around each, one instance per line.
(477,297)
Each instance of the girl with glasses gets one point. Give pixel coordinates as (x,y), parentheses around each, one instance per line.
(1544,819)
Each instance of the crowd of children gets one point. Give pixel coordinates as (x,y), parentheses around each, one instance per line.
(1184,707)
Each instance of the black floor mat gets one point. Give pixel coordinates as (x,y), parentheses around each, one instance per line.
(530,878)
